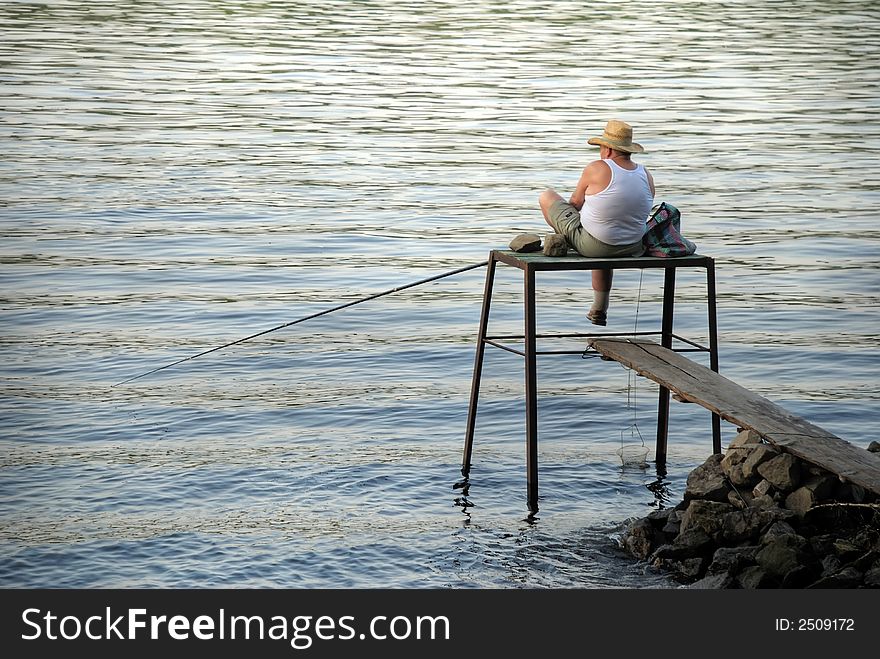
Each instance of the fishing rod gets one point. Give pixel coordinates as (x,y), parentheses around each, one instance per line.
(310,317)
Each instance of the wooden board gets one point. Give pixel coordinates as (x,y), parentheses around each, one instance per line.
(695,383)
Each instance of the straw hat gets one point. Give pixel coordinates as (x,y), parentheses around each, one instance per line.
(618,135)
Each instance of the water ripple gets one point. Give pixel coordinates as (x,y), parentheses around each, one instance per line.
(180,175)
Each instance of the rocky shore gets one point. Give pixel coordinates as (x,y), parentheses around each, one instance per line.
(758,517)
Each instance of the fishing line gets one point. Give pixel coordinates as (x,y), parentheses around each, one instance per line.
(309,317)
(633,453)
(632,383)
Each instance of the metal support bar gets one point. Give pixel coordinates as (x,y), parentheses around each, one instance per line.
(478,368)
(582,335)
(666,342)
(494,341)
(531,374)
(713,346)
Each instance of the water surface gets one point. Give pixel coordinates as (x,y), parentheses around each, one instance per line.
(179,175)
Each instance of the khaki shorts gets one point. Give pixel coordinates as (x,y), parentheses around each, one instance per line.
(566,219)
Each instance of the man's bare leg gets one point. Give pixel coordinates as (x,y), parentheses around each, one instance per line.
(546,200)
(601,278)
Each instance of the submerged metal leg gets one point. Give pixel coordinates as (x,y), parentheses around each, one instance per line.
(713,347)
(478,368)
(531,373)
(666,342)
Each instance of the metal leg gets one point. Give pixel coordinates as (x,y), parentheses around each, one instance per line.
(713,347)
(531,391)
(478,368)
(666,342)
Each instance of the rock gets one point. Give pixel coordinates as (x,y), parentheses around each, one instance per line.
(659,517)
(640,538)
(705,515)
(663,554)
(765,501)
(731,464)
(762,488)
(848,577)
(687,569)
(731,559)
(690,544)
(802,576)
(754,577)
(744,438)
(800,501)
(783,472)
(865,561)
(744,524)
(675,515)
(739,499)
(526,242)
(682,505)
(822,545)
(691,568)
(874,447)
(714,582)
(707,481)
(555,245)
(673,526)
(793,525)
(782,555)
(738,478)
(850,493)
(813,491)
(845,550)
(776,530)
(735,455)
(783,515)
(757,456)
(669,565)
(822,486)
(830,565)
(815,470)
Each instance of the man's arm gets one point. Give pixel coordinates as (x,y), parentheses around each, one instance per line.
(597,174)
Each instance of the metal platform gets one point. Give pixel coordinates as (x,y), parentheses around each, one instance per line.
(532,263)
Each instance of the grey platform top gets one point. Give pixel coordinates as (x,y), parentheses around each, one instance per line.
(574,261)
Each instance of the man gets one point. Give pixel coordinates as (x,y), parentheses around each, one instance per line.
(605,216)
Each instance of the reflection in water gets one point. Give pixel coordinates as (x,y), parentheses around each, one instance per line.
(660,489)
(462,500)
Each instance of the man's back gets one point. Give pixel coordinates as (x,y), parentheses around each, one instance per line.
(616,213)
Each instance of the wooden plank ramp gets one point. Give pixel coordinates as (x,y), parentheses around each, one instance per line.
(695,383)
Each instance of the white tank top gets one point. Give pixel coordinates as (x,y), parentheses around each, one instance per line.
(617,215)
